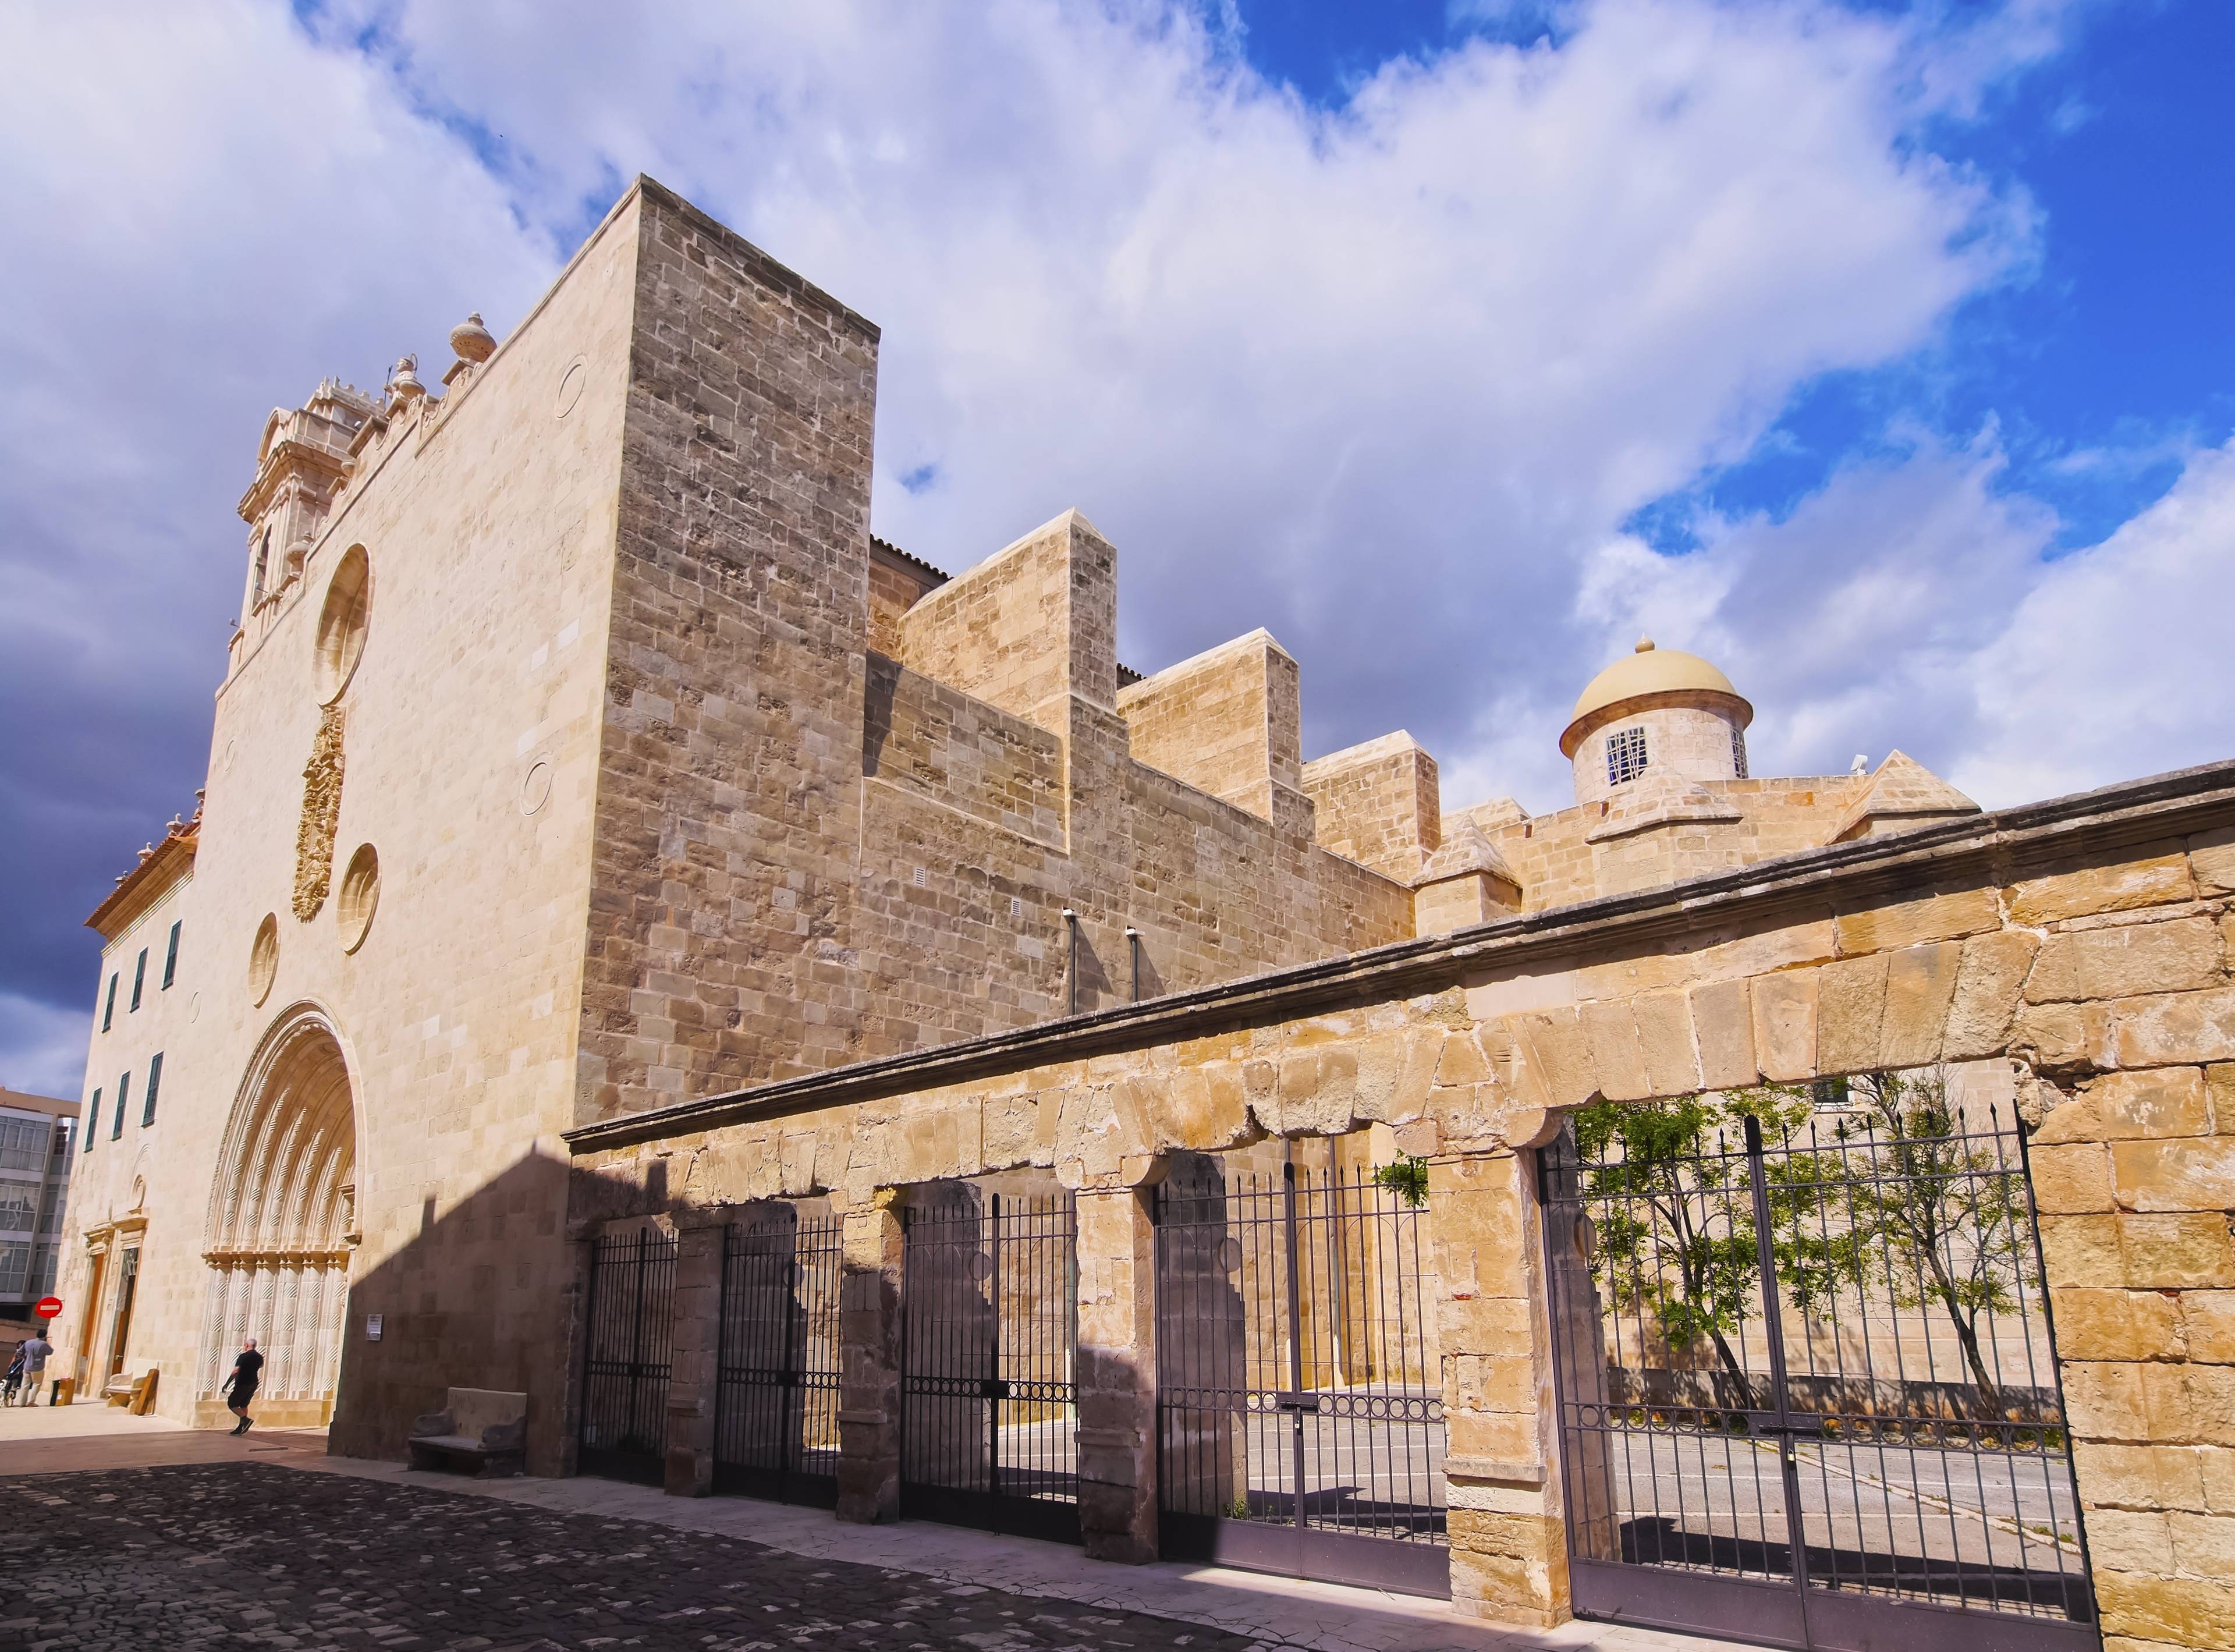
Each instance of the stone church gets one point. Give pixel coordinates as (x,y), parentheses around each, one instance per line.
(605,832)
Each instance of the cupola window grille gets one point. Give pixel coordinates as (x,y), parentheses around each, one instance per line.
(1625,755)
(1738,753)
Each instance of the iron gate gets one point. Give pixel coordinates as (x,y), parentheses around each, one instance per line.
(624,1363)
(1807,1390)
(775,1409)
(1299,1394)
(989,1325)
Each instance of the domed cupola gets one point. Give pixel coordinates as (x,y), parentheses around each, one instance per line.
(1659,708)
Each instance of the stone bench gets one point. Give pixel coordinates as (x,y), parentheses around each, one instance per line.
(135,1393)
(482,1431)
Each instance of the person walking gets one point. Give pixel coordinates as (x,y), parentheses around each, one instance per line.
(240,1386)
(34,1354)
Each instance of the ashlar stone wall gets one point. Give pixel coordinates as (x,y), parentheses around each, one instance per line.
(2085,941)
(1229,721)
(1379,803)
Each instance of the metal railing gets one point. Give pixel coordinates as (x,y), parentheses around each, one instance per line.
(627,1361)
(776,1419)
(989,1327)
(1821,1362)
(1299,1390)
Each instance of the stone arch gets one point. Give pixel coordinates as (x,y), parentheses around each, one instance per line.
(279,1230)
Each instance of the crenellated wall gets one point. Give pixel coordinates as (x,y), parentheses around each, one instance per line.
(1228,721)
(1379,803)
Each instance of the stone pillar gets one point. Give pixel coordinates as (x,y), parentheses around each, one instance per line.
(1509,1551)
(869,1362)
(694,1370)
(1577,1329)
(1115,1372)
(2134,1179)
(581,1246)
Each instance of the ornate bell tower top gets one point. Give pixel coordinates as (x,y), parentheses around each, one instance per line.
(300,465)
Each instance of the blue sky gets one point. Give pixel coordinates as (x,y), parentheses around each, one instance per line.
(1877,350)
(2112,344)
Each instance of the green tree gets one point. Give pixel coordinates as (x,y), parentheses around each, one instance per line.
(1667,1187)
(1946,1213)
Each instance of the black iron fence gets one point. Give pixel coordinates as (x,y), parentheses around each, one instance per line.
(626,1364)
(1300,1400)
(988,1422)
(1807,1390)
(776,1420)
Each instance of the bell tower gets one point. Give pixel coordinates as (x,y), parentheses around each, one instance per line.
(300,466)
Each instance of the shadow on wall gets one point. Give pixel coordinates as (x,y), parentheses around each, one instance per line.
(482,1295)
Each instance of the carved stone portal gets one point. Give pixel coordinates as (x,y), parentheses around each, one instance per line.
(321,810)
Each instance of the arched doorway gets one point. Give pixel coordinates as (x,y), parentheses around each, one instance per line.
(281,1225)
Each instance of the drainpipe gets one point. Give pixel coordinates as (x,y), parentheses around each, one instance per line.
(1070,964)
(1133,942)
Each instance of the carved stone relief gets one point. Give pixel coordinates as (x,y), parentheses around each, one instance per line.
(322,808)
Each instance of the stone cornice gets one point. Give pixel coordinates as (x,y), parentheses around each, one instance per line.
(146,883)
(290,459)
(1998,846)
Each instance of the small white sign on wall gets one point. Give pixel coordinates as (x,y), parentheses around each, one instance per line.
(372,1327)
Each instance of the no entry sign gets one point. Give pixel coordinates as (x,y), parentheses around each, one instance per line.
(48,1307)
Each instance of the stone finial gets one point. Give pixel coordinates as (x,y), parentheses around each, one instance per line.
(471,340)
(403,386)
(1644,646)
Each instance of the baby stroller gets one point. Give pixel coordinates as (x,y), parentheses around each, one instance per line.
(13,1380)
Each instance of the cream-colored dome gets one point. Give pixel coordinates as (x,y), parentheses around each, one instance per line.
(1650,670)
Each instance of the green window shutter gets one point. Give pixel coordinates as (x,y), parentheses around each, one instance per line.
(124,1100)
(109,1008)
(139,977)
(171,956)
(155,1083)
(93,1119)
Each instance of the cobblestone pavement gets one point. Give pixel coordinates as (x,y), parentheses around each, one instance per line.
(249,1554)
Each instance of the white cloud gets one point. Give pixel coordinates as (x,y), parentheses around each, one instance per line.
(2116,660)
(1379,373)
(199,215)
(1387,379)
(1911,604)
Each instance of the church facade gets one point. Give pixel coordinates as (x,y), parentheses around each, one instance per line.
(606,834)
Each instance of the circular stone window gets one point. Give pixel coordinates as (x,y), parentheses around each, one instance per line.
(571,383)
(341,624)
(536,786)
(264,959)
(360,894)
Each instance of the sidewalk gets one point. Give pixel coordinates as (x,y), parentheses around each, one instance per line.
(1278,1611)
(50,1440)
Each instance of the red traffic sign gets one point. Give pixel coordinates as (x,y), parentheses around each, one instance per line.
(48,1307)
